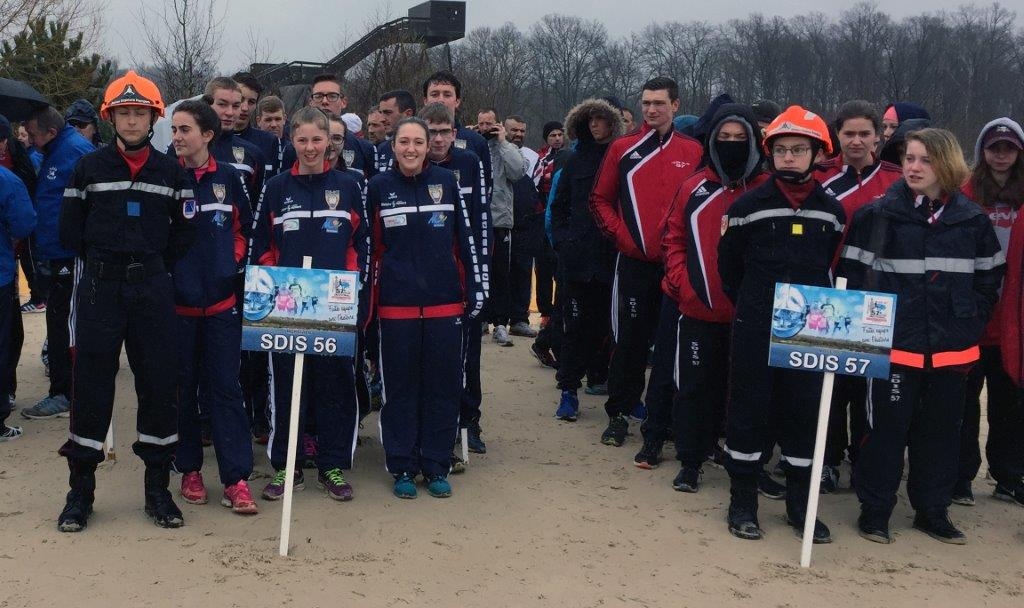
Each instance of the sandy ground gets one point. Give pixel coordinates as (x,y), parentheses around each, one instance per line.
(548,517)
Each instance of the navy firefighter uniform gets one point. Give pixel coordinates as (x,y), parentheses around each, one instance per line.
(317,215)
(209,330)
(469,171)
(427,279)
(129,223)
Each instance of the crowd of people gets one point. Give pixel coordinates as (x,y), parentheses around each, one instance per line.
(653,243)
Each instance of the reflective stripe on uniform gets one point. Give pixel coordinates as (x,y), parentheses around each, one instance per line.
(742,455)
(940,359)
(150,439)
(800,213)
(140,186)
(919,266)
(217,207)
(88,443)
(796,462)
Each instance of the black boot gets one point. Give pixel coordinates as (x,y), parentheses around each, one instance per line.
(743,508)
(935,523)
(78,508)
(798,486)
(159,505)
(873,524)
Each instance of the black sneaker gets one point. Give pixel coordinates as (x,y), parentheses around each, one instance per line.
(75,516)
(616,432)
(874,527)
(1012,492)
(963,494)
(688,480)
(649,456)
(544,356)
(829,479)
(769,488)
(458,465)
(473,440)
(935,523)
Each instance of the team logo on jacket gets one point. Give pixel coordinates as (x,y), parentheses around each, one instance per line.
(349,156)
(239,153)
(189,208)
(52,173)
(680,164)
(332,198)
(331,224)
(220,191)
(219,218)
(460,143)
(436,192)
(437,219)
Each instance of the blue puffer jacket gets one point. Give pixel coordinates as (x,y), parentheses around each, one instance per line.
(59,159)
(17,220)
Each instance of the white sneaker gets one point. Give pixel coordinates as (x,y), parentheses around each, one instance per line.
(501,336)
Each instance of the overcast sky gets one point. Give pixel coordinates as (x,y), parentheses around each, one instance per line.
(315,30)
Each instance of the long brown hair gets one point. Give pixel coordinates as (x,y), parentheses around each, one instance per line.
(987,190)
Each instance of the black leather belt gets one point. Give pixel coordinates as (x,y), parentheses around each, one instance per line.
(130,272)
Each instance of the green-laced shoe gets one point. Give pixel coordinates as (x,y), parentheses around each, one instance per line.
(334,483)
(275,489)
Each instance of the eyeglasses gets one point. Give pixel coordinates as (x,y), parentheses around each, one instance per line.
(329,96)
(796,151)
(337,139)
(439,132)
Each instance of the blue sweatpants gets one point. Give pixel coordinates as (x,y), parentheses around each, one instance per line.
(208,380)
(421,370)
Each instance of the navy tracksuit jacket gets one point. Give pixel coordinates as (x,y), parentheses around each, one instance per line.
(209,328)
(426,278)
(320,216)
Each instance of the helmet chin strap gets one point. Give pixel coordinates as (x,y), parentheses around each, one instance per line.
(796,177)
(138,146)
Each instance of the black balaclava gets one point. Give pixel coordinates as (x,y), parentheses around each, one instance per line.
(732,156)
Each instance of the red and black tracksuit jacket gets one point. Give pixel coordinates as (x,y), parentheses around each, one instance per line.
(638,179)
(425,260)
(694,226)
(854,188)
(206,277)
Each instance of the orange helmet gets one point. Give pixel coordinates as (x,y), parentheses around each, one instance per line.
(131,90)
(799,122)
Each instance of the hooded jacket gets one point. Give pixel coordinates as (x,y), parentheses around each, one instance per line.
(893,148)
(906,110)
(695,226)
(1003,215)
(17,219)
(638,178)
(583,253)
(61,155)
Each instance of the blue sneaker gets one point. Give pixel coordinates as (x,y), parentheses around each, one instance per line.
(56,406)
(568,407)
(639,412)
(405,486)
(439,487)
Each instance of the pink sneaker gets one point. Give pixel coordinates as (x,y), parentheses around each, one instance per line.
(239,499)
(192,488)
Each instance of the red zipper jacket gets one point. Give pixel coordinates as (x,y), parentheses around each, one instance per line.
(695,224)
(635,186)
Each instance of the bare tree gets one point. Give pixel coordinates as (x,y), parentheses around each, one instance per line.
(183,41)
(689,53)
(82,16)
(256,48)
(567,53)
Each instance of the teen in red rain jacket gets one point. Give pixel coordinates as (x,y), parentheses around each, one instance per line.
(694,227)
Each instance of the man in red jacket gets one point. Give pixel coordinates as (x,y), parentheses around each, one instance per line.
(638,178)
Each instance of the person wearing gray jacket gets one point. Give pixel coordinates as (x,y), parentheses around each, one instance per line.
(507,166)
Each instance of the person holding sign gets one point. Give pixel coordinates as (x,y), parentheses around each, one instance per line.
(313,210)
(426,281)
(209,326)
(128,211)
(786,230)
(936,250)
(693,230)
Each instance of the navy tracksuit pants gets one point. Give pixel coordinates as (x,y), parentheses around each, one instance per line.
(702,373)
(472,395)
(922,410)
(208,364)
(421,370)
(661,388)
(763,400)
(328,387)
(586,325)
(107,313)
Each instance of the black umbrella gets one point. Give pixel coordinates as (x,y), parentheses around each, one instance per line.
(18,101)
